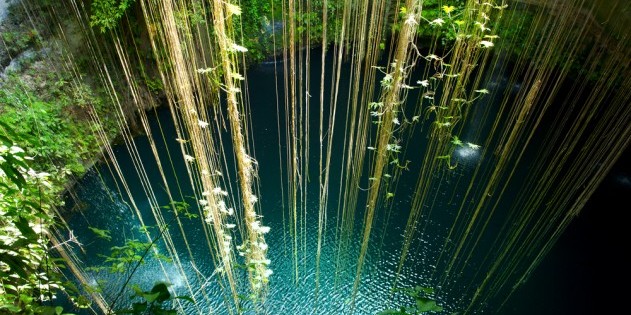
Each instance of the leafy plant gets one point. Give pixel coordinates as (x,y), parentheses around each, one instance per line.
(18,41)
(456,141)
(128,258)
(29,276)
(153,301)
(121,258)
(107,13)
(154,85)
(103,234)
(424,302)
(47,133)
(181,208)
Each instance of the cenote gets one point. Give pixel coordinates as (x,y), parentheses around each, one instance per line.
(100,202)
(303,157)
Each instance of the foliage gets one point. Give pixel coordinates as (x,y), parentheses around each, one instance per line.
(29,276)
(424,303)
(522,29)
(47,133)
(310,23)
(102,234)
(435,11)
(123,258)
(258,24)
(45,138)
(107,13)
(181,208)
(18,40)
(515,30)
(154,85)
(254,24)
(193,15)
(152,302)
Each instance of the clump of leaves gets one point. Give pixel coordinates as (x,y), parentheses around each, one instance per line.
(181,208)
(456,141)
(29,276)
(56,142)
(107,13)
(102,234)
(153,301)
(424,302)
(123,257)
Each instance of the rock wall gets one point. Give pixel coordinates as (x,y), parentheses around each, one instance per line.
(43,43)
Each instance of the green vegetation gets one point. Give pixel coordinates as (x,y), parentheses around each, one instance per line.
(19,40)
(437,13)
(30,276)
(46,140)
(153,301)
(44,143)
(256,26)
(253,23)
(122,258)
(423,302)
(125,260)
(50,131)
(181,208)
(310,23)
(47,133)
(106,14)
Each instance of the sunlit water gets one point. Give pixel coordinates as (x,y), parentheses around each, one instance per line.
(105,209)
(103,206)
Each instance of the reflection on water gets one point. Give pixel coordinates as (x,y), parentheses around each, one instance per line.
(467,153)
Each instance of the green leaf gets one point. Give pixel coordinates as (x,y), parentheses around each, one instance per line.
(6,141)
(9,131)
(12,173)
(427,305)
(139,307)
(47,310)
(162,292)
(456,141)
(11,308)
(424,289)
(137,290)
(26,299)
(103,234)
(185,298)
(25,228)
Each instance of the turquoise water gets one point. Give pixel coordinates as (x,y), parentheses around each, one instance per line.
(103,206)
